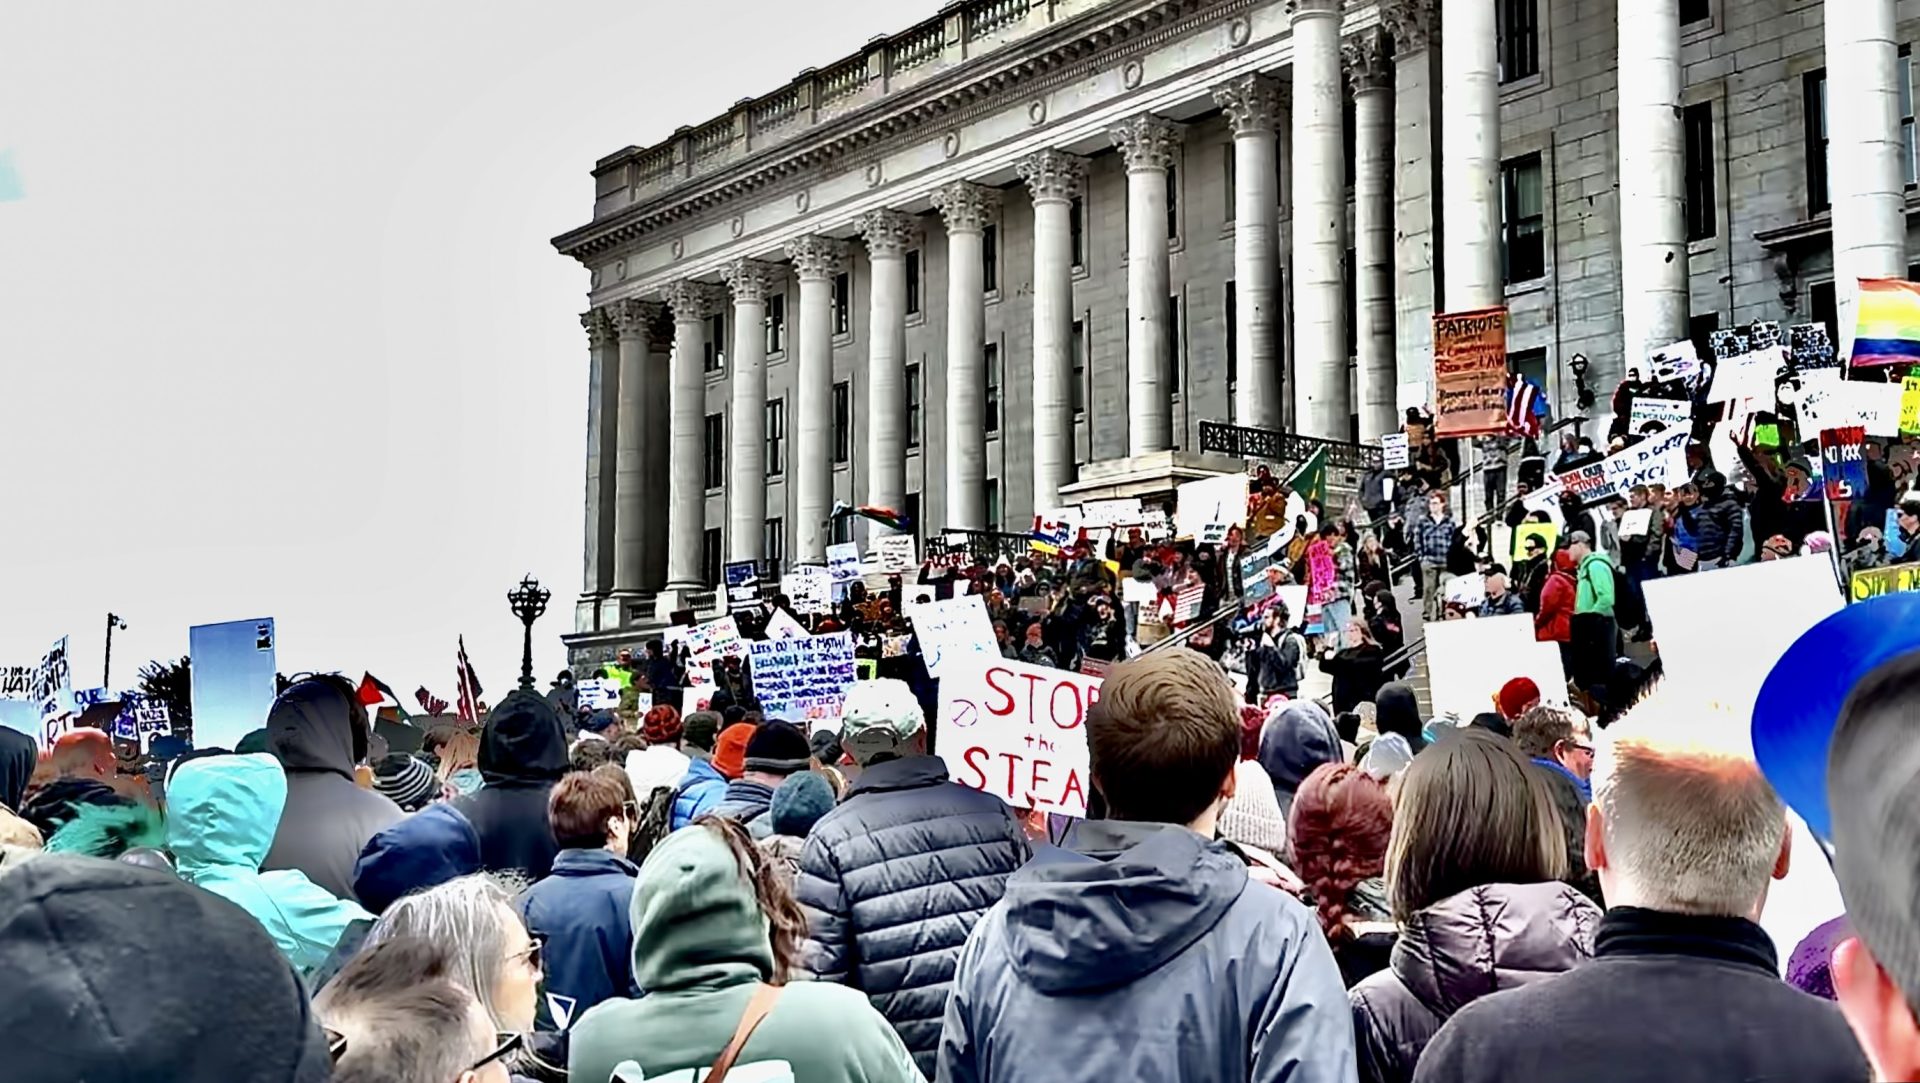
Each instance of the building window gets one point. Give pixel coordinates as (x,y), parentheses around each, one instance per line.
(776,437)
(715,357)
(993,503)
(991,358)
(1700,329)
(1824,308)
(1233,348)
(773,538)
(776,322)
(913,405)
(1697,124)
(1077,345)
(841,530)
(842,423)
(1173,203)
(913,282)
(1523,220)
(710,557)
(1173,345)
(843,303)
(990,259)
(913,516)
(1227,172)
(1816,95)
(1077,230)
(1530,363)
(716,449)
(1695,11)
(1905,78)
(1519,36)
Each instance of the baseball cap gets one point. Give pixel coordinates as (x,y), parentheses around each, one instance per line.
(1579,537)
(880,718)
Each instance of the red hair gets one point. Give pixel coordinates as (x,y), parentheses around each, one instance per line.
(1340,824)
(1252,720)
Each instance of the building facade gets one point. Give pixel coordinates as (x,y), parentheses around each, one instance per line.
(1013,256)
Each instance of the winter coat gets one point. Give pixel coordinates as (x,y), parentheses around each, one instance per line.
(582,914)
(1716,529)
(653,767)
(221,816)
(316,735)
(1483,940)
(700,948)
(894,879)
(1554,622)
(702,789)
(1668,998)
(424,850)
(1357,675)
(522,754)
(1506,605)
(1144,952)
(749,804)
(1594,590)
(18,757)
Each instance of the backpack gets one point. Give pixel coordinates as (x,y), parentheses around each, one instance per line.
(1629,606)
(655,822)
(1299,657)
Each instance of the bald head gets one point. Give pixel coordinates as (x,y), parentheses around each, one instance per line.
(83,753)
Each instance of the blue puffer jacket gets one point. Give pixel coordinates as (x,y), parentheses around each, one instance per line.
(893,881)
(701,791)
(581,912)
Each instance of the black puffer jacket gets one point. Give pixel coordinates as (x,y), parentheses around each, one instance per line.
(1500,936)
(523,752)
(318,731)
(893,881)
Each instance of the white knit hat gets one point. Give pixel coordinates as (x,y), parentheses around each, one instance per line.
(1252,816)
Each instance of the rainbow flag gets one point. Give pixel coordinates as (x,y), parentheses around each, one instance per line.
(1887,331)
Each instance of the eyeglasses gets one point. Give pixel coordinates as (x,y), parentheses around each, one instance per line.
(1577,747)
(507,1045)
(532,952)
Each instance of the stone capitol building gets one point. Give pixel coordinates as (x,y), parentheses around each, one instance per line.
(1011,258)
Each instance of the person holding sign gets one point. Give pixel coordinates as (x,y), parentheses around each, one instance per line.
(1144,925)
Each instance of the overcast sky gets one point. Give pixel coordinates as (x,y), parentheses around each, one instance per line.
(280,330)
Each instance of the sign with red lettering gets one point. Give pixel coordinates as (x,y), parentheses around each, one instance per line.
(1018,732)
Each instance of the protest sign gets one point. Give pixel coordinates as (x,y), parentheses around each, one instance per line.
(1207,508)
(1873,582)
(706,645)
(952,629)
(1470,372)
(919,593)
(1137,591)
(1466,591)
(598,694)
(1674,361)
(1054,530)
(233,685)
(1409,395)
(1909,404)
(1636,523)
(843,562)
(1109,513)
(1548,533)
(1843,465)
(781,625)
(1095,667)
(1545,496)
(1660,459)
(895,553)
(1749,374)
(1018,732)
(809,587)
(743,584)
(1752,613)
(1652,415)
(803,680)
(1469,660)
(1393,451)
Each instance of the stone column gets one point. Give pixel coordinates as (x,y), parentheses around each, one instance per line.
(967,209)
(1864,180)
(747,409)
(1253,104)
(1320,399)
(815,261)
(633,321)
(1654,299)
(1053,178)
(1416,282)
(888,234)
(1149,145)
(692,302)
(1371,72)
(1470,155)
(603,382)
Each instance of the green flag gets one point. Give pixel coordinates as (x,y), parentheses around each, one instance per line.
(1310,481)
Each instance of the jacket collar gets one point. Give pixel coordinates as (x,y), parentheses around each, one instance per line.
(747,789)
(1633,930)
(1580,785)
(906,773)
(594,862)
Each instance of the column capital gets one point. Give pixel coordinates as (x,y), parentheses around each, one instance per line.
(1368,61)
(967,207)
(815,256)
(1301,9)
(1252,102)
(750,279)
(1148,142)
(1413,24)
(1053,175)
(888,233)
(634,318)
(693,301)
(599,327)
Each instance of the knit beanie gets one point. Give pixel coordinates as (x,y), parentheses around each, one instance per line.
(730,751)
(778,748)
(799,803)
(662,726)
(700,728)
(1252,816)
(825,743)
(406,781)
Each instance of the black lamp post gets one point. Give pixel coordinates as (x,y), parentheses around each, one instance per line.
(528,601)
(106,667)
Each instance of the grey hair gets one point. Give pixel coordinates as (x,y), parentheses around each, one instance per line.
(470,913)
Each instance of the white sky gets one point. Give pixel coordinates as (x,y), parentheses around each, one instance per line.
(280,330)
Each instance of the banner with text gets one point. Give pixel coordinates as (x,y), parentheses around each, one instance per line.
(1660,459)
(1018,732)
(895,553)
(803,680)
(1470,372)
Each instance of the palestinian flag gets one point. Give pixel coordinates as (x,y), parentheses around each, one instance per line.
(374,693)
(1310,481)
(886,517)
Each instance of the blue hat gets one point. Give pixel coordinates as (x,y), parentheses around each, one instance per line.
(799,803)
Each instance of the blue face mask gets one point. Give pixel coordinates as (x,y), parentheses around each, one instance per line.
(466,780)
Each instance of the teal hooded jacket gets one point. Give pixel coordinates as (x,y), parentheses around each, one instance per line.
(221,816)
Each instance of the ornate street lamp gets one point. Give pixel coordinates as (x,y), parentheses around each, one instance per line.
(528,601)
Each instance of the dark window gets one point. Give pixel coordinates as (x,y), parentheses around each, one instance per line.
(842,422)
(1173,345)
(1530,363)
(1077,345)
(773,537)
(716,449)
(1824,310)
(776,322)
(1077,230)
(1697,124)
(1519,40)
(913,405)
(843,303)
(1700,329)
(776,437)
(991,362)
(715,357)
(1233,348)
(993,503)
(1227,171)
(1523,219)
(1173,203)
(841,531)
(990,259)
(1695,11)
(1816,95)
(1904,79)
(710,557)
(913,281)
(913,516)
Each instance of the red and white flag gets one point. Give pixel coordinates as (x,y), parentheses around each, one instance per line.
(429,702)
(1524,406)
(469,686)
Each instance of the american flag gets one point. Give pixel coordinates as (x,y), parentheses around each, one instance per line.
(429,702)
(1186,602)
(1525,406)
(469,686)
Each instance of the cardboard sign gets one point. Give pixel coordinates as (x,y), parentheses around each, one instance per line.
(1873,582)
(809,587)
(1466,591)
(1675,361)
(1393,451)
(743,584)
(1207,508)
(1137,591)
(1843,464)
(1469,660)
(706,645)
(1909,404)
(694,697)
(843,562)
(1111,513)
(1636,523)
(951,630)
(1660,459)
(1747,375)
(598,694)
(895,553)
(1018,732)
(803,680)
(1653,415)
(781,625)
(1752,613)
(1470,372)
(48,685)
(1548,533)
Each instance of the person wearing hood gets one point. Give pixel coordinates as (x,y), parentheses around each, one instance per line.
(1554,621)
(318,731)
(19,755)
(703,787)
(1396,711)
(1715,522)
(425,850)
(1472,876)
(523,752)
(1341,821)
(579,913)
(1297,738)
(1141,950)
(715,946)
(222,812)
(660,765)
(894,879)
(775,751)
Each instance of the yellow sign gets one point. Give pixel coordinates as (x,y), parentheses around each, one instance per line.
(1873,582)
(1548,534)
(1910,404)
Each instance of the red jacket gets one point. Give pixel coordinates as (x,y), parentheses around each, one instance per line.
(1554,622)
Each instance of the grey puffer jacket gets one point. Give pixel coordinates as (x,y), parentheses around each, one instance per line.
(1483,940)
(318,733)
(893,881)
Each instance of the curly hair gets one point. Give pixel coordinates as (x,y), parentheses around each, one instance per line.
(786,922)
(1340,823)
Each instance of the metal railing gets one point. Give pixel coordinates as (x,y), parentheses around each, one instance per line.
(1246,442)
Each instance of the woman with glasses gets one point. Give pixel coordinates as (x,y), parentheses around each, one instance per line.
(496,959)
(398,1014)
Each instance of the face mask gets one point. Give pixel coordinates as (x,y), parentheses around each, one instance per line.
(466,780)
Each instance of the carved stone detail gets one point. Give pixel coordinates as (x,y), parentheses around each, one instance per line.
(1252,102)
(965,206)
(814,256)
(1053,174)
(889,232)
(599,327)
(634,318)
(750,279)
(1299,8)
(692,300)
(1148,142)
(1368,61)
(1414,24)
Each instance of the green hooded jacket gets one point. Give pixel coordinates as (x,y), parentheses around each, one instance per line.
(221,816)
(1595,593)
(700,947)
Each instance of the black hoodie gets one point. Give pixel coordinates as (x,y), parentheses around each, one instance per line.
(18,755)
(318,731)
(523,752)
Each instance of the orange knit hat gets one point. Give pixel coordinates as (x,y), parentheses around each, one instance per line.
(730,751)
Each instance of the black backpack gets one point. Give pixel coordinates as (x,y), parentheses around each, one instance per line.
(1629,607)
(655,823)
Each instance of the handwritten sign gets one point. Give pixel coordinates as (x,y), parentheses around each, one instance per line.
(599,694)
(809,587)
(1660,459)
(803,679)
(1843,465)
(1111,513)
(1470,372)
(1018,732)
(1207,508)
(743,584)
(895,553)
(1873,582)
(1653,415)
(1675,361)
(1393,451)
(952,629)
(781,625)
(1636,523)
(1748,374)
(707,644)
(843,562)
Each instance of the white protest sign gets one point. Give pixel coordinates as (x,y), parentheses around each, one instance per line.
(599,694)
(1469,660)
(1660,413)
(1137,591)
(1636,523)
(707,644)
(809,587)
(803,680)
(895,552)
(1467,591)
(1548,494)
(1748,375)
(1108,513)
(1750,614)
(920,594)
(781,625)
(1410,394)
(1018,732)
(1208,507)
(1675,361)
(1660,459)
(952,629)
(1393,451)
(843,562)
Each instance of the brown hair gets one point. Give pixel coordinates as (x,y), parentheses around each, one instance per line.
(786,922)
(579,807)
(1163,737)
(1541,728)
(461,751)
(1340,824)
(1472,812)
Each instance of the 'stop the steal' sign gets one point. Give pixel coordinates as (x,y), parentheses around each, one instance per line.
(1018,732)
(803,679)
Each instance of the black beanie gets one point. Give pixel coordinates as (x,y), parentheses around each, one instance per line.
(118,973)
(778,748)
